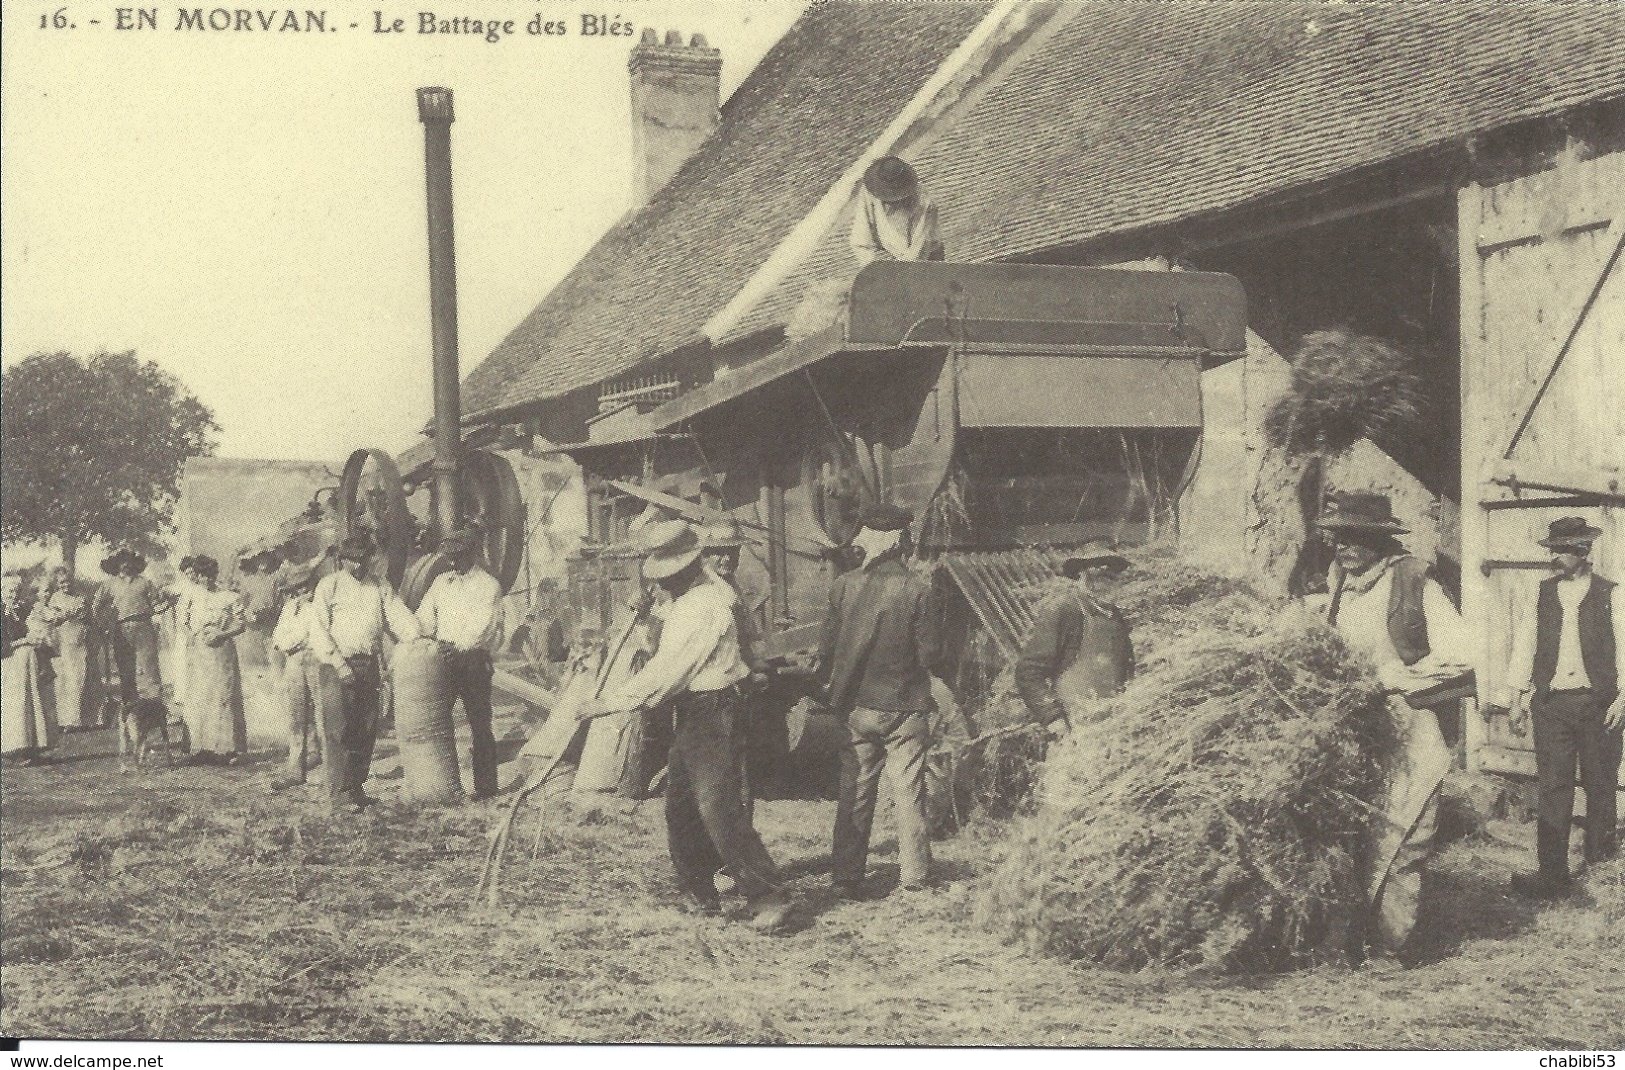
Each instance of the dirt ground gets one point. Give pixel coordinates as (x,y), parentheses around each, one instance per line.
(191,903)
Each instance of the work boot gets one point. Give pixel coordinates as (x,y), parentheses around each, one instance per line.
(701,905)
(769,912)
(283,783)
(701,901)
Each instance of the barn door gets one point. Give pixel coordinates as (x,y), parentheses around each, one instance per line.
(1543,399)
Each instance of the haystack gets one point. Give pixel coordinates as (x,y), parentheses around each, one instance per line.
(1212,816)
(1346,387)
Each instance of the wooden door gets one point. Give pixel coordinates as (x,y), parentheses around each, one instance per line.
(1543,400)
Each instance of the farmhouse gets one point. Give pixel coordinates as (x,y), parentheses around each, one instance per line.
(1419,173)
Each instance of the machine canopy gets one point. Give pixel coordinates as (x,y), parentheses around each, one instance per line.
(1109,334)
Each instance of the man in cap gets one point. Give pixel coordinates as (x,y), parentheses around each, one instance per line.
(879,647)
(1079,646)
(463,611)
(1386,607)
(1567,659)
(300,683)
(698,668)
(352,614)
(894,219)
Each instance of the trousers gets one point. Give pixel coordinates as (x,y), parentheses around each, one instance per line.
(1400,898)
(468,678)
(349,738)
(707,825)
(894,743)
(1569,729)
(302,691)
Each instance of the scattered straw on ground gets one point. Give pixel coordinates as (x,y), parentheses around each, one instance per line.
(197,908)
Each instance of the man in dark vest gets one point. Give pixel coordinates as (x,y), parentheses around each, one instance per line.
(1079,646)
(1566,663)
(1386,607)
(879,648)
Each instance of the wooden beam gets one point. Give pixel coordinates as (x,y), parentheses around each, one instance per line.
(1525,410)
(1475,600)
(523,690)
(1599,482)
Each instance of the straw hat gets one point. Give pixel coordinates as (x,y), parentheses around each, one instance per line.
(891,179)
(1372,513)
(722,535)
(671,546)
(1570,531)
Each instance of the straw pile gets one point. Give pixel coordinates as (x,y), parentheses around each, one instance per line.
(1345,387)
(1211,817)
(824,303)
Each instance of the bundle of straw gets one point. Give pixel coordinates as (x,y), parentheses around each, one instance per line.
(1345,387)
(822,304)
(1212,816)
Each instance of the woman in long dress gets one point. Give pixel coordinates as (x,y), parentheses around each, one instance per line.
(27,702)
(214,690)
(181,592)
(64,615)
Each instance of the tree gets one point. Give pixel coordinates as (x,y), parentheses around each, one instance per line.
(94,449)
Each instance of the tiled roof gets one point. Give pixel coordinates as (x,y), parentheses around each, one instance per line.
(1137,114)
(813,104)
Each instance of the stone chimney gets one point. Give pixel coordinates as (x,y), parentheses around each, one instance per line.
(676,94)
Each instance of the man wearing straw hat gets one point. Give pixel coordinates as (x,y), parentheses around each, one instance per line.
(128,604)
(894,219)
(1568,657)
(353,613)
(879,648)
(697,667)
(463,611)
(1386,607)
(1079,646)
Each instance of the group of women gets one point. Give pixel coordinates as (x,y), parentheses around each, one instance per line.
(72,662)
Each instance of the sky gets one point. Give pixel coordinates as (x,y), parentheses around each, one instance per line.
(247,208)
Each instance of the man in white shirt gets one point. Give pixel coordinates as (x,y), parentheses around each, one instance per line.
(352,615)
(463,611)
(894,218)
(1567,659)
(698,668)
(1387,608)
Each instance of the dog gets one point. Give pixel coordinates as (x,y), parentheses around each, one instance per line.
(143,726)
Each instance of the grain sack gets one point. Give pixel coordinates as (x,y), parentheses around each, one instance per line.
(423,724)
(612,745)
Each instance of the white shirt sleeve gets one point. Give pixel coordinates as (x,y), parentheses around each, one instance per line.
(321,617)
(1521,625)
(1450,651)
(429,610)
(864,241)
(400,621)
(693,628)
(292,631)
(1619,636)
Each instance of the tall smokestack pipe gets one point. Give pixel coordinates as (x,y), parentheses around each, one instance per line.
(434,109)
